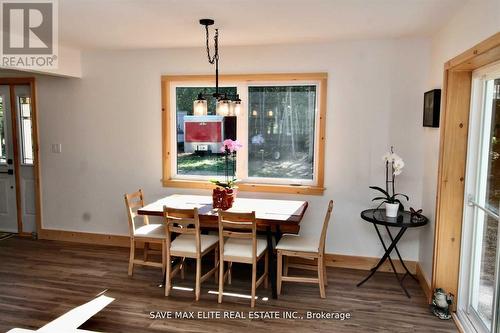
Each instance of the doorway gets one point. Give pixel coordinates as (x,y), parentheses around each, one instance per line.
(18,193)
(479,277)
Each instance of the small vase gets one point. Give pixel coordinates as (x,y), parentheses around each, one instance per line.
(223,198)
(391,209)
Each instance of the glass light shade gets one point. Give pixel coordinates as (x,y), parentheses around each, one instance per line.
(270,113)
(254,113)
(223,107)
(200,107)
(235,108)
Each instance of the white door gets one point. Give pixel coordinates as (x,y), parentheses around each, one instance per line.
(478,300)
(8,208)
(26,156)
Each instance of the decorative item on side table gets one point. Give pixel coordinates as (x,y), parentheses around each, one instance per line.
(416,215)
(224,194)
(395,165)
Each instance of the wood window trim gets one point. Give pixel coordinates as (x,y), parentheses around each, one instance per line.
(169,181)
(457,85)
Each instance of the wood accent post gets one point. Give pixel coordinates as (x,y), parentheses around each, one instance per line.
(453,157)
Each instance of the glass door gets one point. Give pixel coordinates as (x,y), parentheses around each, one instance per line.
(479,287)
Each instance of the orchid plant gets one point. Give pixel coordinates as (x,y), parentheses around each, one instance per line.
(229,149)
(393,167)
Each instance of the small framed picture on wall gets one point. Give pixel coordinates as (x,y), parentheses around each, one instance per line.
(432,105)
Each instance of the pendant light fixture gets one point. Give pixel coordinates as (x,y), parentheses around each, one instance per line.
(226,104)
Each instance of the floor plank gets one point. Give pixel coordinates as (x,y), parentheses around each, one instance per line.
(40,280)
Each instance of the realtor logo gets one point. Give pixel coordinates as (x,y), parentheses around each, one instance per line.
(29,34)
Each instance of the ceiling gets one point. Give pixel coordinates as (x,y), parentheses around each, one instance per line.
(135,24)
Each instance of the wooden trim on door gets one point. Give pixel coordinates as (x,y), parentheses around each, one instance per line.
(457,80)
(17,160)
(36,151)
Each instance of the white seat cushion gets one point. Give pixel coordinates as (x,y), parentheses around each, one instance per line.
(150,230)
(237,247)
(298,243)
(187,243)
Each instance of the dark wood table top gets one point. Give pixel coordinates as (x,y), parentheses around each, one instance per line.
(404,218)
(285,213)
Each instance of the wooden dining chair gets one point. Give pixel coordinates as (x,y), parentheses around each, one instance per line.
(147,233)
(189,243)
(241,246)
(307,247)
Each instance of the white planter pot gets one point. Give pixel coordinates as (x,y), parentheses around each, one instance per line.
(391,210)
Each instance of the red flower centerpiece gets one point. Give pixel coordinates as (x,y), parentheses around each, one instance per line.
(224,194)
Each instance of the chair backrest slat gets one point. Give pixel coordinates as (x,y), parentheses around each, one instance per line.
(325,227)
(182,221)
(238,225)
(235,234)
(133,201)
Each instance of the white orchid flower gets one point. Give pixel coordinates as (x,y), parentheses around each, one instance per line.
(399,164)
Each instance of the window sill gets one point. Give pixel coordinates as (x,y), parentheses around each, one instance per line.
(248,187)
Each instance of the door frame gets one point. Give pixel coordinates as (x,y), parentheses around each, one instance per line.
(457,84)
(36,151)
(478,141)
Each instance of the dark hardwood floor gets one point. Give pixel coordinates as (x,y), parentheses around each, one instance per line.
(40,280)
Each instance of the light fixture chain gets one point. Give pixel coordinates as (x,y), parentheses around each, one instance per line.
(215,57)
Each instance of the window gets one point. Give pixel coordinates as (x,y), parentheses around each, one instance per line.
(199,138)
(26,130)
(281,126)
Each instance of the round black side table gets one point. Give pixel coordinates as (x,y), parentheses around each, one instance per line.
(403,221)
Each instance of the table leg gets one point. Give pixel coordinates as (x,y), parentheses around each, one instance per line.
(384,258)
(272,262)
(401,259)
(385,249)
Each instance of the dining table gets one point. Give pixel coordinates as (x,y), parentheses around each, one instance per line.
(274,217)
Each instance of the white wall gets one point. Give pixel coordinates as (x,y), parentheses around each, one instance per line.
(476,21)
(109,125)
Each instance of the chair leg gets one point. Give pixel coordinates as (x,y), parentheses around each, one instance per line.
(254,280)
(168,273)
(163,261)
(221,279)
(285,271)
(229,278)
(266,269)
(321,275)
(279,272)
(216,263)
(198,278)
(183,264)
(132,256)
(145,252)
(324,269)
